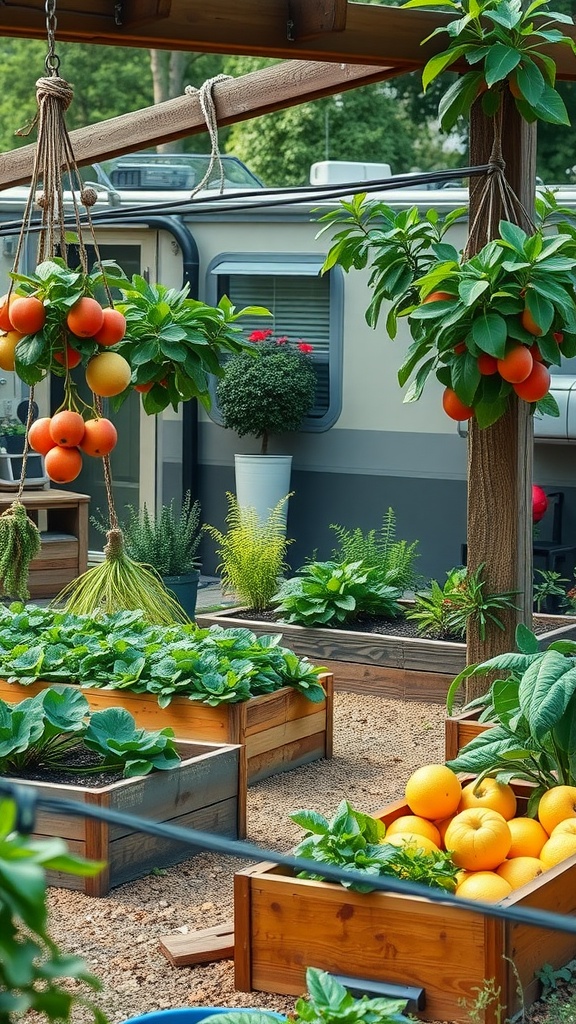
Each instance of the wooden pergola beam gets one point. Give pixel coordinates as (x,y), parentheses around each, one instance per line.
(238,99)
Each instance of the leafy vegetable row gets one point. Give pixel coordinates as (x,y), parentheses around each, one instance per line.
(120,651)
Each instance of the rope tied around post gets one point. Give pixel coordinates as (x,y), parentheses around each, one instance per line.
(208,108)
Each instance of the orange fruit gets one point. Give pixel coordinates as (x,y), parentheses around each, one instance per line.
(67,428)
(39,436)
(8,344)
(433,791)
(558,336)
(113,327)
(419,826)
(528,837)
(454,408)
(536,354)
(413,839)
(536,385)
(100,437)
(487,364)
(516,365)
(556,805)
(442,824)
(108,374)
(27,314)
(489,793)
(439,297)
(484,885)
(85,317)
(460,348)
(529,324)
(557,848)
(520,870)
(478,839)
(143,388)
(63,464)
(5,321)
(71,357)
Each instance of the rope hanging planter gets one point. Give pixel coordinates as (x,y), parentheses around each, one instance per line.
(154,340)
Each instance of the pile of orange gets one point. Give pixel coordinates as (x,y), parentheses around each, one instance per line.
(62,439)
(107,373)
(496,851)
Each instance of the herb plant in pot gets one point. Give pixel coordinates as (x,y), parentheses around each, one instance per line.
(266,390)
(168,543)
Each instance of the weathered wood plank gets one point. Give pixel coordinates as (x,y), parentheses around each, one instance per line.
(199,947)
(288,756)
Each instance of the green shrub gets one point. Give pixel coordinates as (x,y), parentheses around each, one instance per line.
(252,554)
(334,593)
(393,560)
(167,542)
(447,611)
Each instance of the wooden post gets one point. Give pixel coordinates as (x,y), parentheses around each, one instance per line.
(500,456)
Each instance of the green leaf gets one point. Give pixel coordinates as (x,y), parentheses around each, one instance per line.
(31,348)
(458,99)
(550,107)
(465,377)
(437,64)
(530,82)
(546,689)
(490,333)
(501,60)
(513,235)
(541,309)
(526,640)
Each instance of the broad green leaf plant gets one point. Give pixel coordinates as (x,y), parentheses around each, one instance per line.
(532,705)
(466,316)
(502,41)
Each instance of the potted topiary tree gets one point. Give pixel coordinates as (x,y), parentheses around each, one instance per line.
(266,390)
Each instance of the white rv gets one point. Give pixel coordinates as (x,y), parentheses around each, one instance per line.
(361,449)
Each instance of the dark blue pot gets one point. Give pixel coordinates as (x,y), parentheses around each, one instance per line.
(185,590)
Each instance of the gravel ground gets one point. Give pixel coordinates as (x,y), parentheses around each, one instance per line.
(378,744)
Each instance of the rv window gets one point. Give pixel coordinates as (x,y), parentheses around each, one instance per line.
(303,304)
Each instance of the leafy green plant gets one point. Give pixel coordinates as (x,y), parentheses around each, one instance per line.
(32,967)
(252,553)
(168,542)
(12,428)
(549,586)
(447,611)
(356,840)
(550,977)
(503,42)
(49,730)
(268,389)
(533,708)
(327,1002)
(121,651)
(393,560)
(333,593)
(516,292)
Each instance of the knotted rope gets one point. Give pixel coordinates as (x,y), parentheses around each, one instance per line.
(208,108)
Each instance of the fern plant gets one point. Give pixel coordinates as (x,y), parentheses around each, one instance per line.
(446,611)
(167,542)
(392,560)
(252,553)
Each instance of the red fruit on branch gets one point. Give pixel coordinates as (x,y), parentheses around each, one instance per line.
(63,465)
(113,327)
(535,386)
(439,297)
(100,437)
(71,357)
(85,318)
(529,324)
(454,408)
(516,365)
(67,428)
(39,436)
(27,314)
(487,364)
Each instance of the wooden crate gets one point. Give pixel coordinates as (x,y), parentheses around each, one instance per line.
(280,730)
(459,730)
(284,924)
(207,791)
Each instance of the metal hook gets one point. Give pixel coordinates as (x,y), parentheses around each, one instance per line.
(52,62)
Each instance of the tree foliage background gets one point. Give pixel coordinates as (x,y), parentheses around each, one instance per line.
(391,122)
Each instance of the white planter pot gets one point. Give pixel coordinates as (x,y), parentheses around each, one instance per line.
(262,481)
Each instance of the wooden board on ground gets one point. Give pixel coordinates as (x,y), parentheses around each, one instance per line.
(203,947)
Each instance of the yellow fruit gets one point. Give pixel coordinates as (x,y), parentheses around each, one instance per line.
(412,823)
(484,885)
(558,848)
(556,805)
(489,793)
(520,870)
(528,837)
(566,828)
(412,839)
(8,344)
(479,839)
(108,374)
(442,824)
(433,791)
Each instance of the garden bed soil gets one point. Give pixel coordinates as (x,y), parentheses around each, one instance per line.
(378,656)
(284,923)
(280,730)
(206,791)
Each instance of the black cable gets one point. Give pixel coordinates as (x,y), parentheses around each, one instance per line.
(261,197)
(250,851)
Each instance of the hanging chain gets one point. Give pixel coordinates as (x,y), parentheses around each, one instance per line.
(52,62)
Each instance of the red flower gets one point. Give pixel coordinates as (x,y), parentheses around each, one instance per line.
(283,340)
(260,335)
(303,346)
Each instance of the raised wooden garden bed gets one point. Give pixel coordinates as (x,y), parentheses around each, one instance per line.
(408,668)
(280,730)
(459,730)
(207,791)
(284,924)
